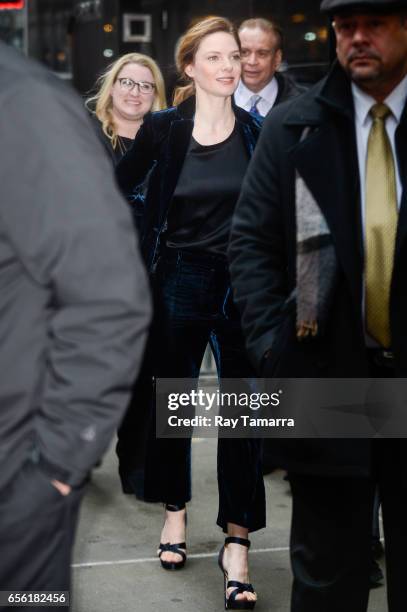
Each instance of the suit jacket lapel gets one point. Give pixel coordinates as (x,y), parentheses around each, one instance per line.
(327,161)
(401,139)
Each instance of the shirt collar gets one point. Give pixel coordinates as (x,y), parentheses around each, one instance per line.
(268,92)
(396,101)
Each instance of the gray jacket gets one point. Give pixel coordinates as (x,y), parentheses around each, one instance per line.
(75,305)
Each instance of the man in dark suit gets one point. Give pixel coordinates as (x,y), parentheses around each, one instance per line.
(318,258)
(74,316)
(262,86)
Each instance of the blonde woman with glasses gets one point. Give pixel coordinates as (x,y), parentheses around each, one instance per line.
(130,88)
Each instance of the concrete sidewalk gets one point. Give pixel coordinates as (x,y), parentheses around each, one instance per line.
(115,568)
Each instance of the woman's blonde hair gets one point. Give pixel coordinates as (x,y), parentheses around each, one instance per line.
(101,103)
(188,45)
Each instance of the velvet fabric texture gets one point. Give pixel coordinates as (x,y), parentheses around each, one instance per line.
(159,149)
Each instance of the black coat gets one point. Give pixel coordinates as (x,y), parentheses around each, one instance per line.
(287,88)
(263,255)
(159,151)
(116,154)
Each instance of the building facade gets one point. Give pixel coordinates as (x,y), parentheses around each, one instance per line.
(77,39)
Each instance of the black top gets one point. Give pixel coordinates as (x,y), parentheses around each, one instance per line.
(122,146)
(206,194)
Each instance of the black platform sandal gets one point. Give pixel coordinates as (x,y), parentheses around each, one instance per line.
(231,603)
(179,549)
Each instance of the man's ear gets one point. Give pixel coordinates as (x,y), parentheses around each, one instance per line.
(278,58)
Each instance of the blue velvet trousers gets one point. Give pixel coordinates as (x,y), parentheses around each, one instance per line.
(194,306)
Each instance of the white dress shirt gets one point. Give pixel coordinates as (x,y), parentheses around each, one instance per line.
(268,95)
(363,122)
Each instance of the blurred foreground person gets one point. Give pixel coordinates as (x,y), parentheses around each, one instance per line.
(261,86)
(199,151)
(131,87)
(322,222)
(74,315)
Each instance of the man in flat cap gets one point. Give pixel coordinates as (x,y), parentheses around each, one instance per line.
(318,258)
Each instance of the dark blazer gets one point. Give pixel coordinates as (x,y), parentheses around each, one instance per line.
(287,88)
(75,303)
(159,149)
(263,254)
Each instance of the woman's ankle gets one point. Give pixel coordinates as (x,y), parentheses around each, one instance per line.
(237,531)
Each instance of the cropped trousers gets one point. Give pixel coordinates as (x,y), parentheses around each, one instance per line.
(194,306)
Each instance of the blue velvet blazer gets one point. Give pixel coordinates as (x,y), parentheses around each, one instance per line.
(158,153)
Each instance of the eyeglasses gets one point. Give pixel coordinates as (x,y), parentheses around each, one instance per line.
(144,87)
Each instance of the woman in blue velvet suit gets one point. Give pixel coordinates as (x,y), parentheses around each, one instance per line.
(197,153)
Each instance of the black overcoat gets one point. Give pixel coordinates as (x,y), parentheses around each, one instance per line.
(263,256)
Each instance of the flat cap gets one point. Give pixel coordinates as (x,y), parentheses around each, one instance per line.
(333,6)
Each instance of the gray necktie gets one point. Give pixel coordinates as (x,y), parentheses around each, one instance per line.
(254,102)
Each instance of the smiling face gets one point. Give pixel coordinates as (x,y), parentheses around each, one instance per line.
(372,48)
(216,67)
(132,105)
(260,57)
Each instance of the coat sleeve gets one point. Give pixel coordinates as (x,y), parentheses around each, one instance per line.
(257,247)
(73,234)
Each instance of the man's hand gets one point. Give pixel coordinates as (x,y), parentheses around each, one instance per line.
(64,489)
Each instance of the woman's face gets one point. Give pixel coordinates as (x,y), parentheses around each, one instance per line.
(216,67)
(131,101)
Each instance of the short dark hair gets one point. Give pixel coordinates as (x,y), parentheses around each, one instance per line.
(267,26)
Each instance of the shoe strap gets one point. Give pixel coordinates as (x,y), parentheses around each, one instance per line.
(235,540)
(174,507)
(169,546)
(241,587)
(179,549)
